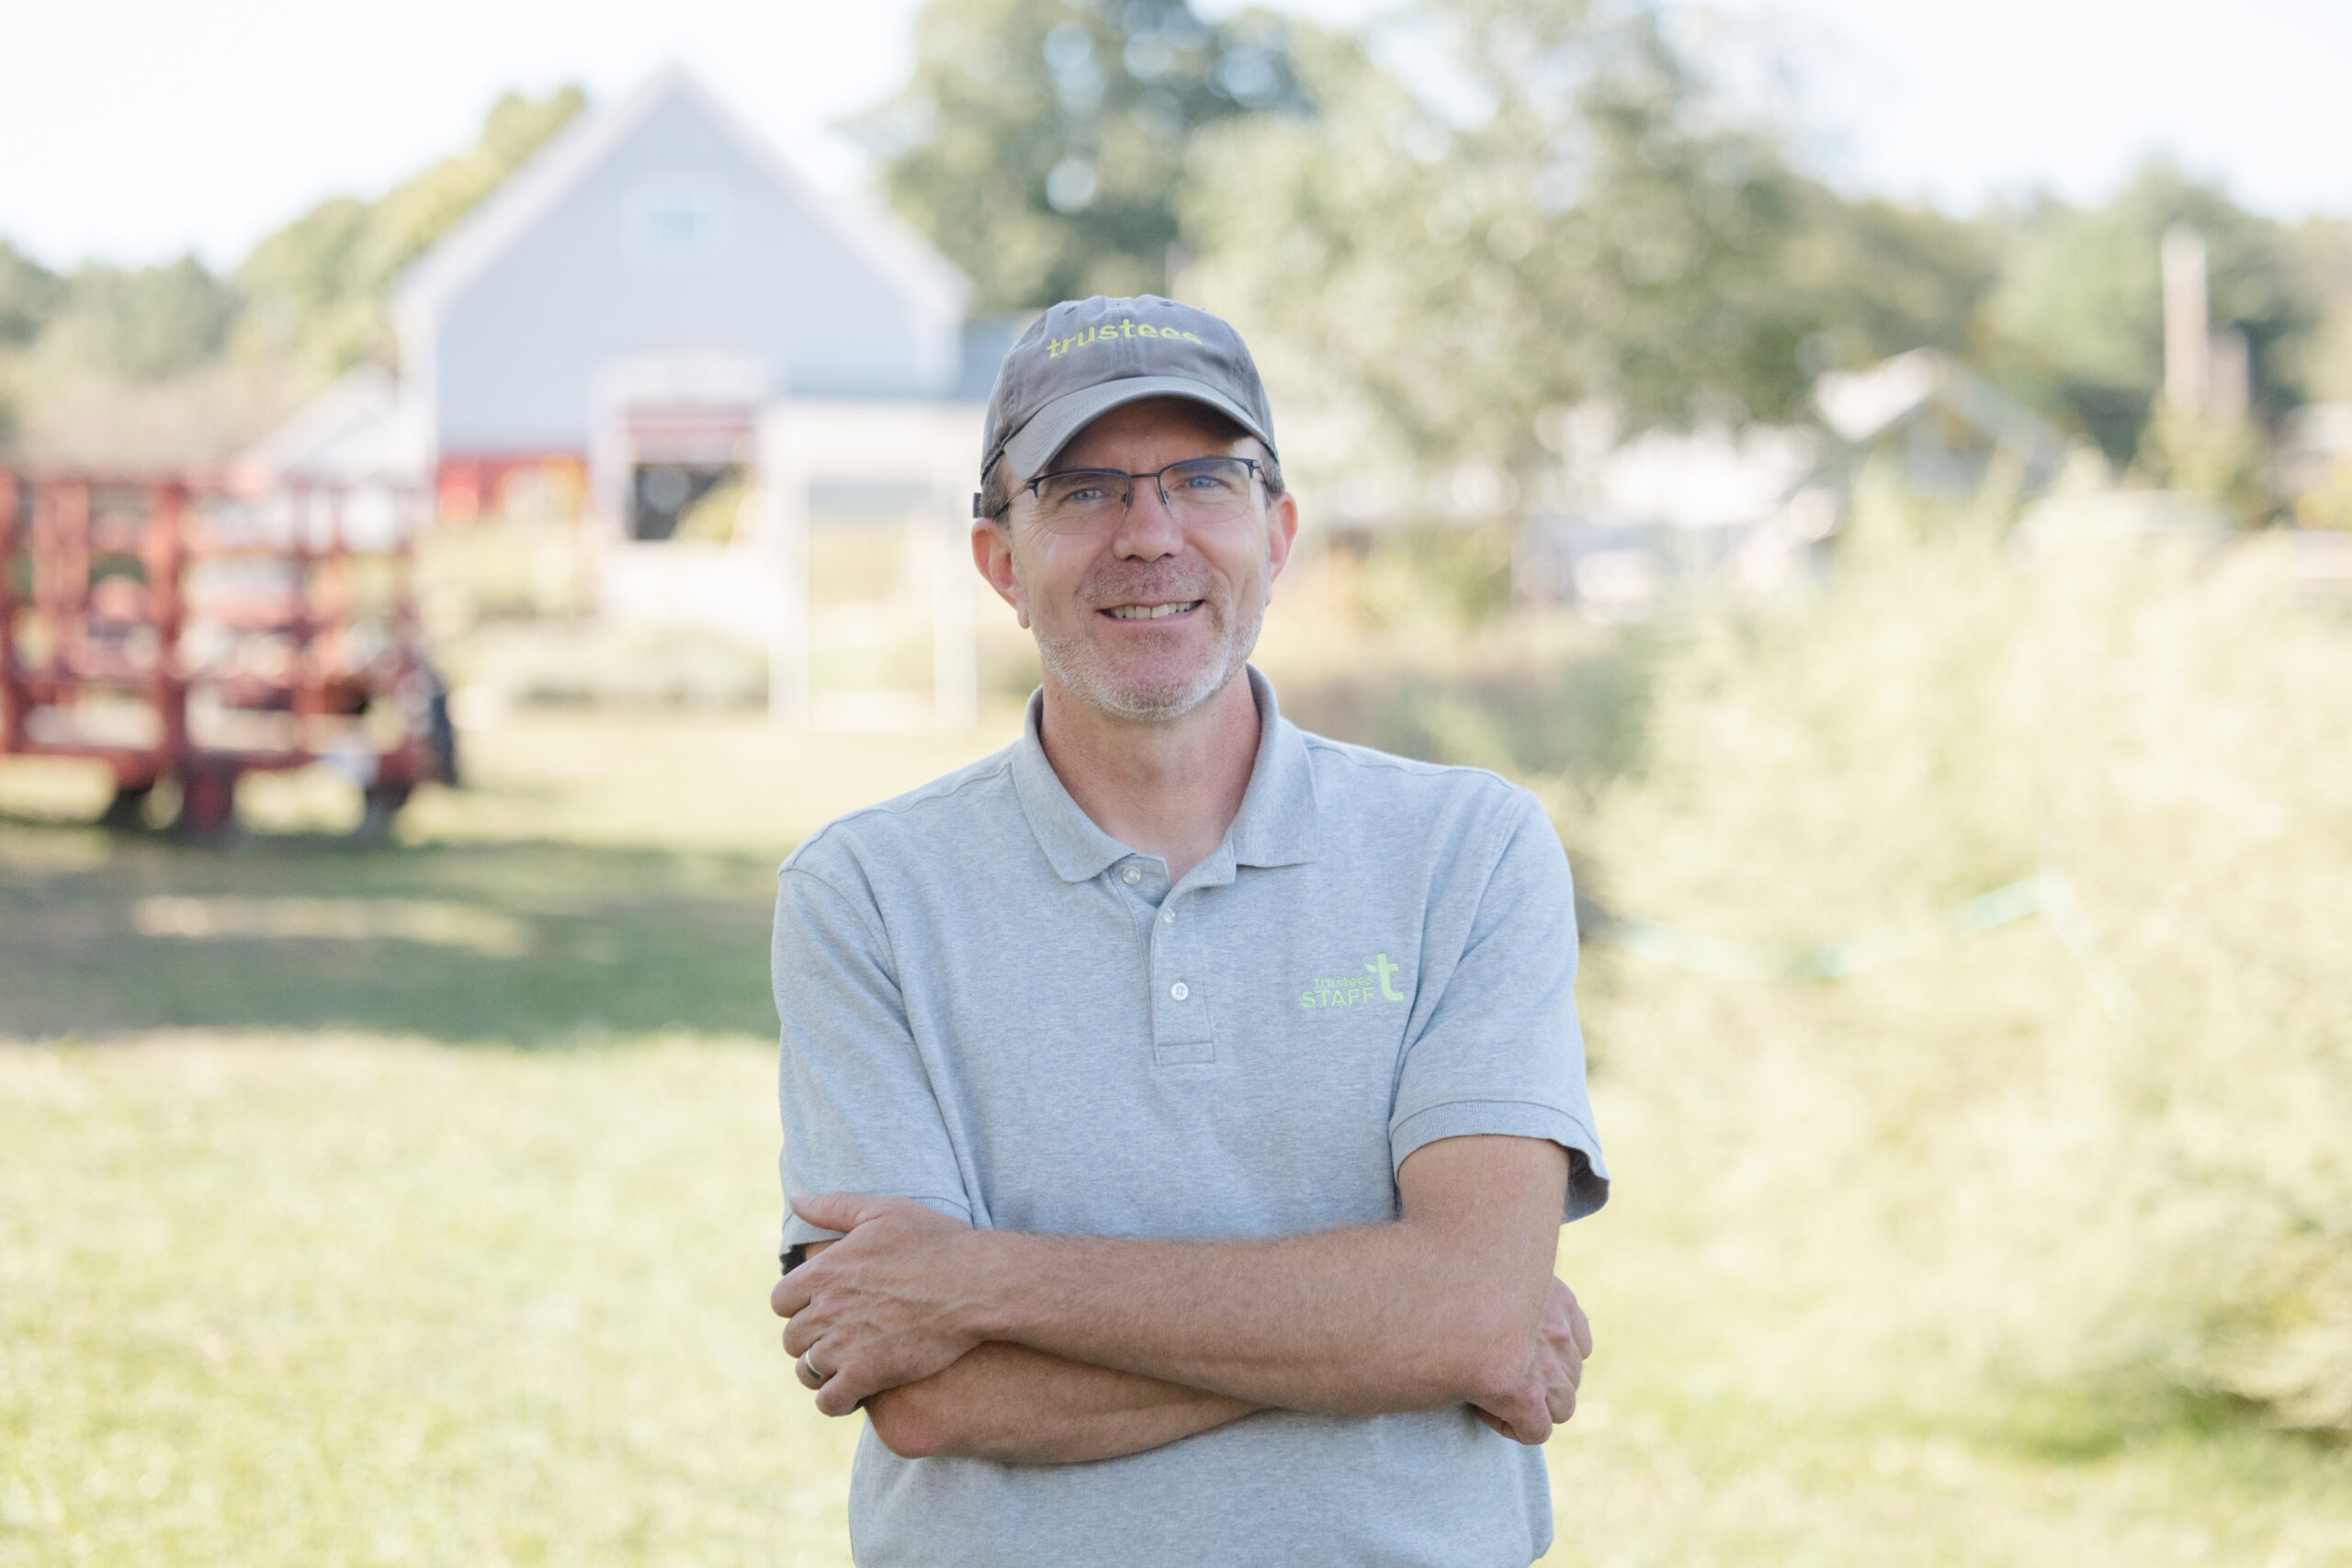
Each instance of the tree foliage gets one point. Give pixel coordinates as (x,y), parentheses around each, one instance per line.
(318,286)
(1474,211)
(1549,208)
(1042,143)
(2319,362)
(140,323)
(2080,307)
(30,295)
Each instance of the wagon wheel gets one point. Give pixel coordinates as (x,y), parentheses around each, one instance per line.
(127,812)
(381,804)
(208,804)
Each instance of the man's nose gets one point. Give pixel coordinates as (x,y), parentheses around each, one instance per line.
(1147,529)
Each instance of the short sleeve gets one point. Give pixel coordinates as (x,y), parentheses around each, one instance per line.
(859,1111)
(1496,1047)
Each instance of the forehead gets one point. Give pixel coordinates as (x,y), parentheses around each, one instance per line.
(1177,425)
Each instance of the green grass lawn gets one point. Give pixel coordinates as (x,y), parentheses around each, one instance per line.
(416,1204)
(324,1298)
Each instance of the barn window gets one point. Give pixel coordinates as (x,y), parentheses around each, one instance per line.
(684,220)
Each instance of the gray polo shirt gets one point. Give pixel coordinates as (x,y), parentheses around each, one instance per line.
(992,1007)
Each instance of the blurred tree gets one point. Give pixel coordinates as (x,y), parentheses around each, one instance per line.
(2080,309)
(2319,363)
(1041,144)
(318,286)
(1875,278)
(1541,205)
(140,323)
(30,295)
(2225,459)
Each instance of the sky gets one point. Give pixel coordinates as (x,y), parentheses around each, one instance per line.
(134,131)
(1959,104)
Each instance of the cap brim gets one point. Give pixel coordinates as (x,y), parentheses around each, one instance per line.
(1049,430)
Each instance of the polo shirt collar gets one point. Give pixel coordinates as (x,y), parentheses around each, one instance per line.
(1276,826)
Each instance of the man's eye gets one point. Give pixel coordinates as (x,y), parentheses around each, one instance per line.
(1206,481)
(1083,495)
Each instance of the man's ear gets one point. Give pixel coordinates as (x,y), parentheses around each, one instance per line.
(992,553)
(1282,532)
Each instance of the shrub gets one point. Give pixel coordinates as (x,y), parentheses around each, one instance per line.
(1958,1156)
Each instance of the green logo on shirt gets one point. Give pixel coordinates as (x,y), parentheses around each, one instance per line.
(1348,990)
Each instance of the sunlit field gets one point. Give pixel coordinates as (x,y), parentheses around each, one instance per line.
(320,1297)
(415,1203)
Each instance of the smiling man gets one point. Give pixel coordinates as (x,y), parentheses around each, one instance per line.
(1179,1110)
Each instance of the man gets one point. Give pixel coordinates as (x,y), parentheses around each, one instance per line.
(1195,1102)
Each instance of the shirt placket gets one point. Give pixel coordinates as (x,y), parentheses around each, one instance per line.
(1181,1030)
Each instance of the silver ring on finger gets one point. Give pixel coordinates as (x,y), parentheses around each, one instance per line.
(809,1368)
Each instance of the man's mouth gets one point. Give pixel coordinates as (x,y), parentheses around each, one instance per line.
(1150,612)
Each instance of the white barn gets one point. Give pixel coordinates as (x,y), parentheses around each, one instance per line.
(656,308)
(663,230)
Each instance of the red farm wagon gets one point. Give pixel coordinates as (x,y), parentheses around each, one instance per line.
(175,628)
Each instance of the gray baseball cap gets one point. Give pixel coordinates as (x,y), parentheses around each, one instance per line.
(1085,358)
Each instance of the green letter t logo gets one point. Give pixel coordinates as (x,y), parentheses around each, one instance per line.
(1381,967)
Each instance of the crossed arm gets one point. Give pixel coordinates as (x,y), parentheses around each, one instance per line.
(1050,1350)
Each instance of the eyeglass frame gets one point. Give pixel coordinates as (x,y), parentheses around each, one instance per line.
(1157,475)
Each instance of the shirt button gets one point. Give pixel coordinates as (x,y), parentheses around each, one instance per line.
(1131,875)
(1179,990)
(1168,917)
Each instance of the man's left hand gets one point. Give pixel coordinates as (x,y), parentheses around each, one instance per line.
(877,1308)
(1549,1395)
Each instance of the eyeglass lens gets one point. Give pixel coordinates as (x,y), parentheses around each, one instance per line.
(1201,489)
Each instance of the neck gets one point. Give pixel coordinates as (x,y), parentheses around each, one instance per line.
(1170,788)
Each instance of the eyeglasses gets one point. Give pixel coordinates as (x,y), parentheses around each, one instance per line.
(1197,491)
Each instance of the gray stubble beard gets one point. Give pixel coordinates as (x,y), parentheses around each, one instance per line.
(1078,664)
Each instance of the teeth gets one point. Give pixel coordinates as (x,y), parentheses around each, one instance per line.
(1150,612)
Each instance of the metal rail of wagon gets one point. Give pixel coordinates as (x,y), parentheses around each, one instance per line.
(176,627)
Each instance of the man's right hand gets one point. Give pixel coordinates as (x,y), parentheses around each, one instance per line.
(1549,1395)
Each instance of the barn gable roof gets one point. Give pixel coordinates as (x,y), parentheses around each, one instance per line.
(896,250)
